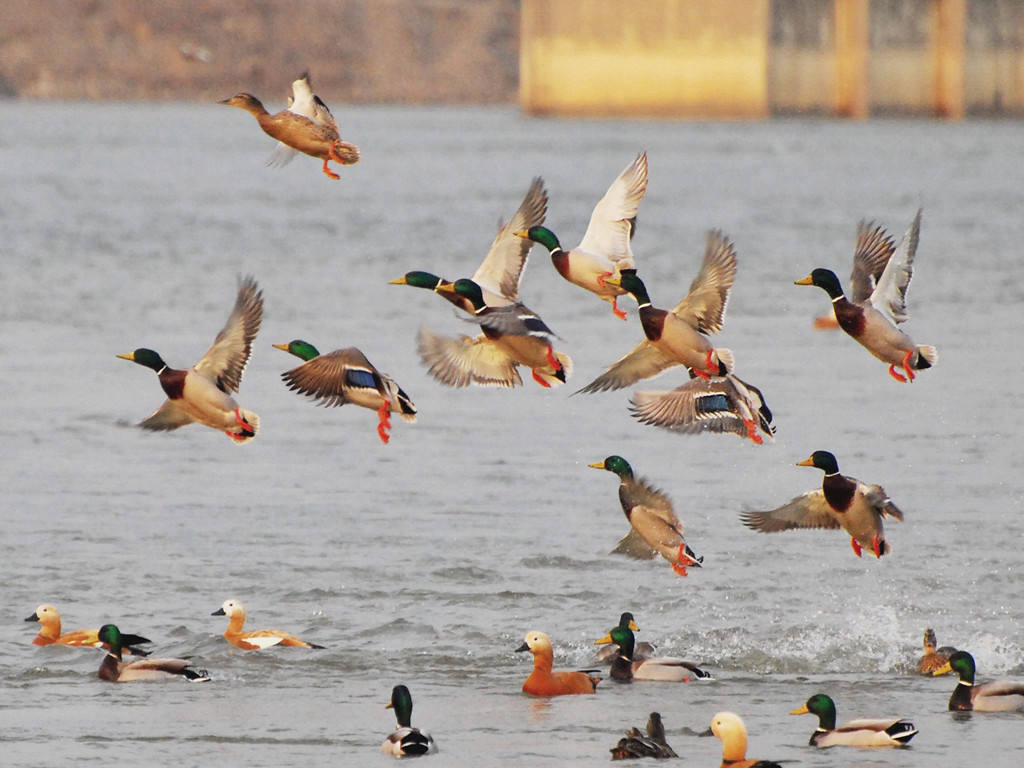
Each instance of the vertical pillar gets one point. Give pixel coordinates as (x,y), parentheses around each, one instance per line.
(851,93)
(949,18)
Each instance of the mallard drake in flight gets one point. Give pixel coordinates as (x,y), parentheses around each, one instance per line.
(635,744)
(50,633)
(874,247)
(716,404)
(542,681)
(665,669)
(873,321)
(730,728)
(641,651)
(346,376)
(306,126)
(934,658)
(894,732)
(114,670)
(605,250)
(259,638)
(406,741)
(202,393)
(678,337)
(994,696)
(655,529)
(841,502)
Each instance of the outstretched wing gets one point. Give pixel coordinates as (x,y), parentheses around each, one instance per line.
(459,362)
(611,224)
(704,305)
(225,361)
(874,248)
(502,268)
(890,295)
(809,510)
(644,361)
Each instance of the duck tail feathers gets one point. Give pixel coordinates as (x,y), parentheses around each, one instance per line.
(556,378)
(241,436)
(927,356)
(726,361)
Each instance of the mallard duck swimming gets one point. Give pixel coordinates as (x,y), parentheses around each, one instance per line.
(114,670)
(933,658)
(873,321)
(716,404)
(257,639)
(346,376)
(605,250)
(512,335)
(729,727)
(894,732)
(841,502)
(202,393)
(678,337)
(50,634)
(406,741)
(642,650)
(665,669)
(634,744)
(994,696)
(655,528)
(307,126)
(542,681)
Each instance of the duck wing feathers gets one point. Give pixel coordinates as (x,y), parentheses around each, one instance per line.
(502,268)
(874,248)
(633,545)
(704,305)
(611,224)
(809,510)
(879,500)
(327,378)
(167,417)
(890,295)
(461,361)
(225,361)
(643,361)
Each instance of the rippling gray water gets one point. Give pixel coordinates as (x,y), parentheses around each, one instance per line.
(426,561)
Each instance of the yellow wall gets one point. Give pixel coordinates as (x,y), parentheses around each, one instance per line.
(706,58)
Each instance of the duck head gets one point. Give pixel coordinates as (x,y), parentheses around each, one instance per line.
(826,279)
(146,357)
(822,460)
(821,705)
(299,348)
(541,235)
(619,466)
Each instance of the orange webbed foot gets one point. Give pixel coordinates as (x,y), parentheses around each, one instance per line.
(540,379)
(328,171)
(601,278)
(906,366)
(876,547)
(752,431)
(616,311)
(679,569)
(553,360)
(856,547)
(896,374)
(384,427)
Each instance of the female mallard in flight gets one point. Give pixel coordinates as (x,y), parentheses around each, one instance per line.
(202,393)
(256,639)
(841,502)
(306,126)
(542,681)
(934,658)
(893,732)
(665,669)
(873,321)
(114,670)
(346,376)
(50,633)
(717,404)
(655,529)
(605,250)
(406,741)
(635,744)
(729,727)
(641,651)
(678,337)
(994,696)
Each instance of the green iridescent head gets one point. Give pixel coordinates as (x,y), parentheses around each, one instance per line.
(615,464)
(299,348)
(401,702)
(419,280)
(146,357)
(821,705)
(822,460)
(110,635)
(826,279)
(541,235)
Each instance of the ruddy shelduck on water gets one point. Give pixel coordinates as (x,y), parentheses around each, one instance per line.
(542,681)
(729,727)
(260,638)
(50,634)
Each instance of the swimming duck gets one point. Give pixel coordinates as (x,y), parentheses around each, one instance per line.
(307,126)
(994,696)
(635,744)
(678,337)
(655,528)
(202,393)
(50,634)
(666,669)
(512,335)
(605,250)
(501,271)
(642,650)
(406,741)
(856,733)
(841,502)
(260,638)
(873,321)
(114,670)
(716,404)
(542,681)
(729,727)
(346,376)
(933,658)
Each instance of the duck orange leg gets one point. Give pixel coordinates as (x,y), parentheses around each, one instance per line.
(384,427)
(247,430)
(553,360)
(615,308)
(856,546)
(327,170)
(752,431)
(906,366)
(539,379)
(678,568)
(876,546)
(601,278)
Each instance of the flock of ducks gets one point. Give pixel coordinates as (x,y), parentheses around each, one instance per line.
(511,337)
